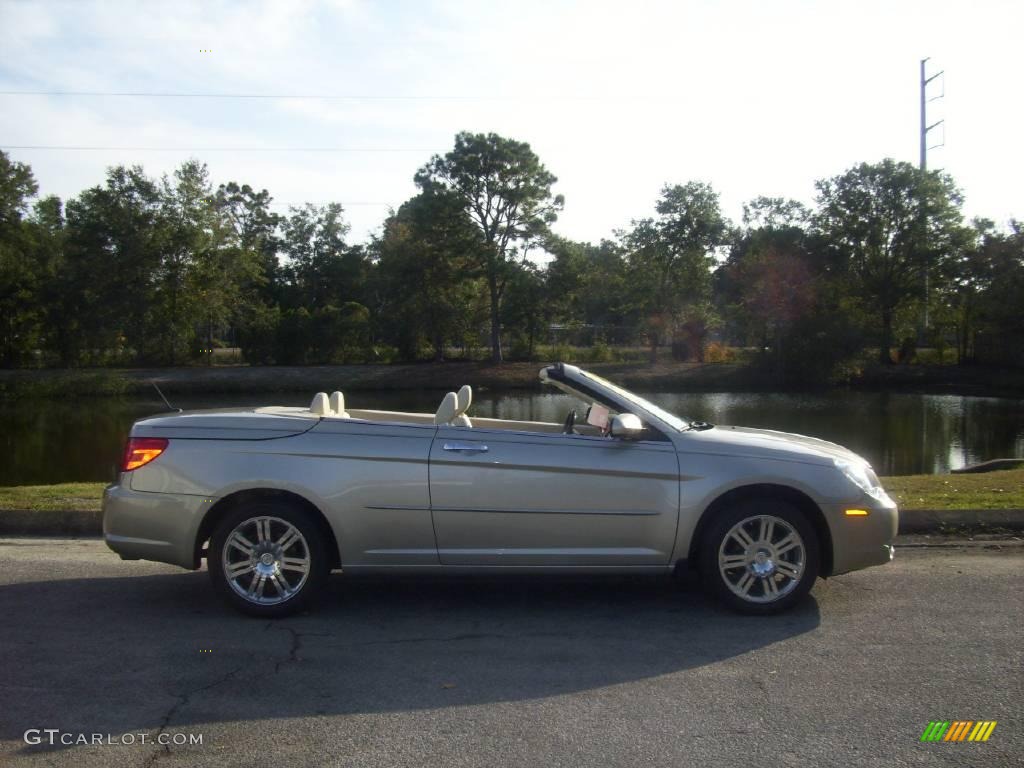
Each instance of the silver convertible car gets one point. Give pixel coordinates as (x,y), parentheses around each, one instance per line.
(276,498)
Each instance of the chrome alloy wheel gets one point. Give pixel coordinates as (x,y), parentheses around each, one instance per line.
(762,558)
(266,560)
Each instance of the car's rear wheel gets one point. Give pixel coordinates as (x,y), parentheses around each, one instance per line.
(760,557)
(267,558)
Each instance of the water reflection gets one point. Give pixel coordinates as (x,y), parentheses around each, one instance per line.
(55,441)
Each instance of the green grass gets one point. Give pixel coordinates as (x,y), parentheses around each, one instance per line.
(986,490)
(77,496)
(990,490)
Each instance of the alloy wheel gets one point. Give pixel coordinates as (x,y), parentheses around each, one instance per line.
(762,558)
(266,560)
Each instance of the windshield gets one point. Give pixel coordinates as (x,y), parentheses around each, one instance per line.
(669,418)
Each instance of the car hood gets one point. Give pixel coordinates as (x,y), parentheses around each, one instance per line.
(769,443)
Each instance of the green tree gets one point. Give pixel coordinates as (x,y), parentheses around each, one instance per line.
(770,279)
(190,280)
(321,269)
(506,192)
(586,284)
(670,259)
(427,271)
(256,228)
(990,285)
(19,278)
(890,223)
(113,265)
(47,232)
(525,309)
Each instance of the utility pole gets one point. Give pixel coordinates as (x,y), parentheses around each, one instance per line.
(925,128)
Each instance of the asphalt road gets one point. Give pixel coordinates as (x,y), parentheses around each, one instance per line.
(509,672)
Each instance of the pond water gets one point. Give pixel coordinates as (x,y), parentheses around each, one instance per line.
(61,441)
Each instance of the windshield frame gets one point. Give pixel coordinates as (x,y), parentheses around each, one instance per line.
(589,387)
(668,418)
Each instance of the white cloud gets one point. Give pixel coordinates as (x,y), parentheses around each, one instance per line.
(617,98)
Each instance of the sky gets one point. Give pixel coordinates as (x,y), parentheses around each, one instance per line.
(617,99)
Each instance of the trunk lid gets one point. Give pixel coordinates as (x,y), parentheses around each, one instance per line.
(227,424)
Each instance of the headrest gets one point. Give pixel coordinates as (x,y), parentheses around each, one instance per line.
(449,409)
(320,405)
(337,402)
(465,398)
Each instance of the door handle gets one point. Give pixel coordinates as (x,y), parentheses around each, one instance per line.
(467,447)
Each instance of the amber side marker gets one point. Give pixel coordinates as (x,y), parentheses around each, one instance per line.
(856,513)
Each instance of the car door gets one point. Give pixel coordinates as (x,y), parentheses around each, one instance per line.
(501,497)
(372,480)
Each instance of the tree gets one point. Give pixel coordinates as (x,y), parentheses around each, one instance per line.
(427,271)
(193,286)
(989,284)
(524,308)
(767,281)
(19,301)
(256,229)
(113,264)
(506,192)
(890,223)
(670,258)
(321,268)
(587,285)
(774,214)
(47,232)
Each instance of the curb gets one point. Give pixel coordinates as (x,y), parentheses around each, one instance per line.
(941,521)
(56,522)
(27,522)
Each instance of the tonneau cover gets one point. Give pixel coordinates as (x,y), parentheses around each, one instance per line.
(226,424)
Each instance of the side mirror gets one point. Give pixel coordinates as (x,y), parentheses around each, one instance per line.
(626,426)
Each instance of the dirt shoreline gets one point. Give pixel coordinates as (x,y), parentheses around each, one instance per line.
(665,376)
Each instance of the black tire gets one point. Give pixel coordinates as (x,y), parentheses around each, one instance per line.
(281,518)
(762,566)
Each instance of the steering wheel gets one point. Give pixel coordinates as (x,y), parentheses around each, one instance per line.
(570,423)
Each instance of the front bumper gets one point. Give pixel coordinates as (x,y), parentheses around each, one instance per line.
(861,542)
(139,525)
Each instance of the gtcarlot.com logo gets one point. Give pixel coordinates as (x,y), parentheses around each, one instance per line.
(958,730)
(54,737)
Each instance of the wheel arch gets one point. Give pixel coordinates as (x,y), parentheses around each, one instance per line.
(233,500)
(796,497)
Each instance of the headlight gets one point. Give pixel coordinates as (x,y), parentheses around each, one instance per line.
(861,476)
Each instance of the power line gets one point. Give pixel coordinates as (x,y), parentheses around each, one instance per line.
(317,97)
(73,148)
(340,202)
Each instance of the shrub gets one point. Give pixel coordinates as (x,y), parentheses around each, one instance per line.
(820,349)
(681,351)
(600,353)
(257,335)
(907,351)
(716,352)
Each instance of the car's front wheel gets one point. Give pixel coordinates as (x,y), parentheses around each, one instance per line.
(267,559)
(760,557)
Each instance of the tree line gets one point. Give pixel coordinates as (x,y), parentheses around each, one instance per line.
(138,270)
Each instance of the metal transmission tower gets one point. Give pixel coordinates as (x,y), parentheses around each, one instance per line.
(925,128)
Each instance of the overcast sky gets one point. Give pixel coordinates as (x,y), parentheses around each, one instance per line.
(617,99)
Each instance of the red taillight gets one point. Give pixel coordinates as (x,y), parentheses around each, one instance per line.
(142,450)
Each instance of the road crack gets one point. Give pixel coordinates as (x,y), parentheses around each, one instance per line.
(296,644)
(183,700)
(463,637)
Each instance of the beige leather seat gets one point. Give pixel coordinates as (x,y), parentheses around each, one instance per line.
(320,406)
(337,404)
(448,410)
(465,398)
